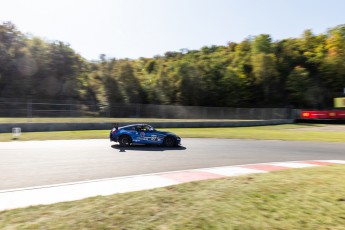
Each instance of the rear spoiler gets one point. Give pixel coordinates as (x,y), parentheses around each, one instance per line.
(116,126)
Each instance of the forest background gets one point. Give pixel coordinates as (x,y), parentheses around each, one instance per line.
(304,72)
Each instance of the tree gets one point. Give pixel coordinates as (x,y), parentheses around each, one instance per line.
(264,65)
(232,89)
(189,85)
(298,85)
(305,72)
(333,68)
(11,49)
(262,44)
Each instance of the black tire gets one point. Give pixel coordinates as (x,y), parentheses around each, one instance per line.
(125,140)
(169,141)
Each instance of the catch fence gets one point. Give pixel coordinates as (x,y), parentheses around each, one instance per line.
(71,108)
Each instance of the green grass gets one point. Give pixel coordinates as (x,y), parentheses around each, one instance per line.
(310,198)
(58,135)
(275,132)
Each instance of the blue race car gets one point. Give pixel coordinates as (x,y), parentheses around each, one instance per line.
(143,134)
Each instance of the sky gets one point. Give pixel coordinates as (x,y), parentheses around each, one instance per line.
(145,28)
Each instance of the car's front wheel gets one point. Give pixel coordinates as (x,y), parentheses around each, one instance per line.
(169,142)
(125,140)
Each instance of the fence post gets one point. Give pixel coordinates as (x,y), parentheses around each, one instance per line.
(29,109)
(262,114)
(274,114)
(236,113)
(205,113)
(137,111)
(71,108)
(108,111)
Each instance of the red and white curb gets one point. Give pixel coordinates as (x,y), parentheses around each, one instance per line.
(18,198)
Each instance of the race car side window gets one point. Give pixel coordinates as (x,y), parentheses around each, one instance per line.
(145,128)
(149,128)
(140,128)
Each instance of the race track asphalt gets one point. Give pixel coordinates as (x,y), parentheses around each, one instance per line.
(36,163)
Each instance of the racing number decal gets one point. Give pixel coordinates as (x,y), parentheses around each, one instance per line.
(142,134)
(154,138)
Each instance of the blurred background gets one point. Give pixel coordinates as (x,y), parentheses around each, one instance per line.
(251,77)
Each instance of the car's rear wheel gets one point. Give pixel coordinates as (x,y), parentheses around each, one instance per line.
(125,140)
(169,142)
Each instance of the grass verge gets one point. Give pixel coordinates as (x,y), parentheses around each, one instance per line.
(293,132)
(274,132)
(310,198)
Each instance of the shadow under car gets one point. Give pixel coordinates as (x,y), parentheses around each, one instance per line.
(137,147)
